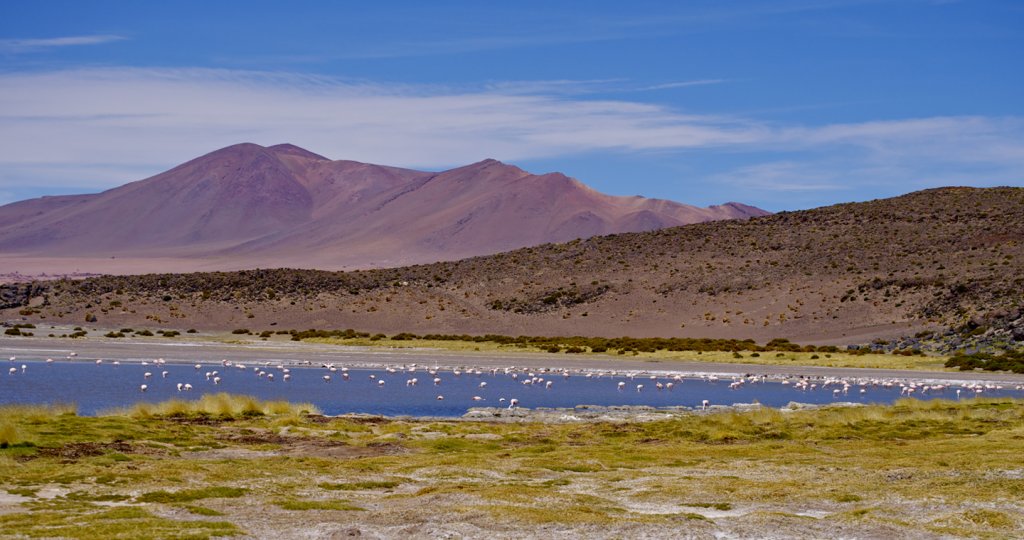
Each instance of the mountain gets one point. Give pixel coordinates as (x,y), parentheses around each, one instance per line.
(250,206)
(941,260)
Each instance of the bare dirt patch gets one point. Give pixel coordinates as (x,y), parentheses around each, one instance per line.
(314,446)
(74,451)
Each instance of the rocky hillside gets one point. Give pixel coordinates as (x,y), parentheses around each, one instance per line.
(941,260)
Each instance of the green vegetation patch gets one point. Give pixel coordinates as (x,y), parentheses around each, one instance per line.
(354,486)
(91,522)
(316,505)
(189,495)
(1008,361)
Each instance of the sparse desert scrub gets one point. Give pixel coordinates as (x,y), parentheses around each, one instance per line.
(947,262)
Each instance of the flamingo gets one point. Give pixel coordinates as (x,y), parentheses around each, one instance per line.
(188,387)
(621,385)
(513,403)
(180,386)
(147,375)
(143,388)
(704,405)
(440,398)
(327,378)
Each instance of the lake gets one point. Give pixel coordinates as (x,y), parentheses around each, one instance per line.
(97,387)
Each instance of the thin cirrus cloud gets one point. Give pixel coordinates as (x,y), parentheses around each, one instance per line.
(97,128)
(15,46)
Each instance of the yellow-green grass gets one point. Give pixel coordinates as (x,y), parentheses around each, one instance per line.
(774,358)
(220,405)
(914,467)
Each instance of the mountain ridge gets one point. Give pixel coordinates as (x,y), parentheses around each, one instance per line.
(247,205)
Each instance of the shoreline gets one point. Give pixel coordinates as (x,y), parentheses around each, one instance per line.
(195,350)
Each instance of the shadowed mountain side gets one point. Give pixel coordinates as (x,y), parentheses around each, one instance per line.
(850,273)
(251,206)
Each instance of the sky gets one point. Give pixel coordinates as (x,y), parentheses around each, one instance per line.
(785,105)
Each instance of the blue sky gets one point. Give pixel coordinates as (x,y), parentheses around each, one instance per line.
(784,105)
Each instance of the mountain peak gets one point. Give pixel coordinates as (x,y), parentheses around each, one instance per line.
(292,150)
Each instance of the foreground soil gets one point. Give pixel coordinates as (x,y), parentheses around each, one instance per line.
(234,468)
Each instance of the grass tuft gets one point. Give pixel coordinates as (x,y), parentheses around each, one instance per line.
(221,405)
(189,495)
(356,486)
(316,505)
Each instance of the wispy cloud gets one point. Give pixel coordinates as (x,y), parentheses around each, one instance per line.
(102,127)
(14,46)
(684,84)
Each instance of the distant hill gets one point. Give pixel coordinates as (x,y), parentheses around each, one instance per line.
(936,260)
(247,206)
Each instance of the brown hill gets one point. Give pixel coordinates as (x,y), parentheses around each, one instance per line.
(946,258)
(248,206)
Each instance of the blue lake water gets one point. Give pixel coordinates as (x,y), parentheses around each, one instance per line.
(97,387)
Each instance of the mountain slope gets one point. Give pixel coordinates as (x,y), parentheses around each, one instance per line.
(253,206)
(950,258)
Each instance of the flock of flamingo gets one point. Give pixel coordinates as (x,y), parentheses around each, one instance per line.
(538,377)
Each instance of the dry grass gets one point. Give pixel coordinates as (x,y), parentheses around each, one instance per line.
(221,405)
(913,468)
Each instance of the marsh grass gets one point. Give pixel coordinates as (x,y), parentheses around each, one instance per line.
(190,495)
(9,434)
(36,413)
(316,505)
(89,522)
(954,465)
(201,510)
(364,485)
(220,406)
